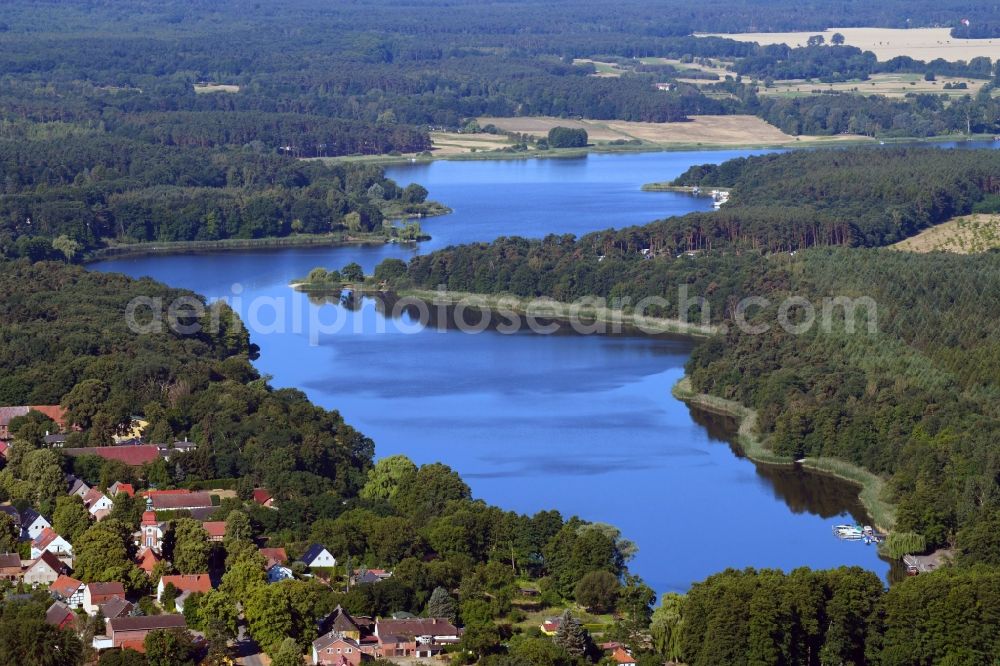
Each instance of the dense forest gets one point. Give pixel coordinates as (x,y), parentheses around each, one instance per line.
(86,189)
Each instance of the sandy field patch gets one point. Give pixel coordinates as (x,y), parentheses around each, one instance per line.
(706,130)
(920,43)
(215,87)
(963,235)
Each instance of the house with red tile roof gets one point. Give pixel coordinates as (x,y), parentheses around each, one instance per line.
(49,541)
(277,570)
(146,559)
(420,637)
(45,570)
(95,594)
(186,584)
(621,656)
(7,414)
(119,487)
(69,590)
(133,456)
(263,497)
(98,504)
(216,529)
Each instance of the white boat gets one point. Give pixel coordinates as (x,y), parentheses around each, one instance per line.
(848,532)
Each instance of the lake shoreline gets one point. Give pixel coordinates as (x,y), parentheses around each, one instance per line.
(607,149)
(871,486)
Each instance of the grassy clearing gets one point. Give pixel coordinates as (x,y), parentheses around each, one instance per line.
(872,487)
(888,85)
(603,69)
(203,88)
(962,235)
(454,143)
(919,43)
(549,309)
(230,244)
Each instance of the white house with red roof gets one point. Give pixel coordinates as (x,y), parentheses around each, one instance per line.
(98,504)
(50,542)
(69,589)
(95,594)
(186,585)
(263,497)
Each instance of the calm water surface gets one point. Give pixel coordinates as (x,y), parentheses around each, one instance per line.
(583,424)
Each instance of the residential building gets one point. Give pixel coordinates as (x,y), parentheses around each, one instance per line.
(77,486)
(133,630)
(274,564)
(186,584)
(55,440)
(415,637)
(319,556)
(54,412)
(68,590)
(60,615)
(49,541)
(32,524)
(360,576)
(116,608)
(95,594)
(10,566)
(119,487)
(263,497)
(44,570)
(97,503)
(216,530)
(146,559)
(334,649)
(622,657)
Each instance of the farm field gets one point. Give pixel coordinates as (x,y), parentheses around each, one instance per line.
(920,43)
(889,85)
(963,235)
(700,130)
(454,143)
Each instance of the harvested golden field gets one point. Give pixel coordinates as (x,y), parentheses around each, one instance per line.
(454,143)
(963,235)
(202,88)
(703,130)
(919,43)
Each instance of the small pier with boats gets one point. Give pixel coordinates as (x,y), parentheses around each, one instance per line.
(866,534)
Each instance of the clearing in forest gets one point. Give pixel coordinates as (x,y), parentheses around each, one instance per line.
(962,235)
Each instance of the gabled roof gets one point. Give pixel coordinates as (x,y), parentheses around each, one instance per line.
(332,638)
(51,561)
(9,413)
(189,582)
(65,586)
(115,608)
(315,550)
(119,487)
(622,657)
(29,516)
(184,501)
(44,538)
(147,623)
(93,496)
(54,412)
(216,528)
(340,621)
(274,556)
(55,438)
(106,590)
(418,626)
(76,485)
(134,456)
(261,495)
(58,614)
(147,559)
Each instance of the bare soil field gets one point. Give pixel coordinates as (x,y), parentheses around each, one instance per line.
(963,235)
(704,130)
(920,43)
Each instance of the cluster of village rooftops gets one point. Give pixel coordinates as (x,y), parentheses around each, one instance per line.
(343,640)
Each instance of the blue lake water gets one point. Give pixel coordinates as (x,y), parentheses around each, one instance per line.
(583,424)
